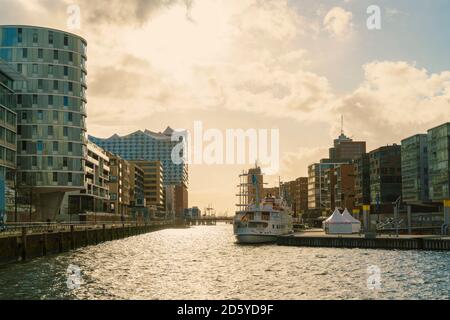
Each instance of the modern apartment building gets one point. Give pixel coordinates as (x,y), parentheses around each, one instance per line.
(439,162)
(345,149)
(94,197)
(302,194)
(181,200)
(344,189)
(137,209)
(272,191)
(328,189)
(8,131)
(318,185)
(151,146)
(137,190)
(51,112)
(362,180)
(153,183)
(295,194)
(255,185)
(414,153)
(148,146)
(120,181)
(385,176)
(288,191)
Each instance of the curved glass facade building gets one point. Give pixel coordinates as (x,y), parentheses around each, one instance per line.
(50,107)
(8,124)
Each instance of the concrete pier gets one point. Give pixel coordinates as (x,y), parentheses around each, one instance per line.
(402,242)
(31,242)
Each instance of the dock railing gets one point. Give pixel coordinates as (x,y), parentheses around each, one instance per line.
(12,229)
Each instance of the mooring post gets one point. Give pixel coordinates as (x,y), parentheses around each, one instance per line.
(446,215)
(72,237)
(44,243)
(409,219)
(24,243)
(366,217)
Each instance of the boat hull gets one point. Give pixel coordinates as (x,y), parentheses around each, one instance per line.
(255,238)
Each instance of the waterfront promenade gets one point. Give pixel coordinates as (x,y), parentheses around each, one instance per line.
(24,242)
(318,238)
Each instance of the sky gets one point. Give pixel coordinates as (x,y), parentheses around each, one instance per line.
(295,66)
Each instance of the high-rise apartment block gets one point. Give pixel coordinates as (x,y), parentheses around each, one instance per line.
(385,175)
(439,162)
(51,112)
(8,132)
(415,179)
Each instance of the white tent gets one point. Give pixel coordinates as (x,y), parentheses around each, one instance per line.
(356,224)
(337,224)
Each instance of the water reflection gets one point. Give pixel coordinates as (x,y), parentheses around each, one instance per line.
(206,263)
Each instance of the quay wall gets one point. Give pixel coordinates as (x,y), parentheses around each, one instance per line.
(27,245)
(366,243)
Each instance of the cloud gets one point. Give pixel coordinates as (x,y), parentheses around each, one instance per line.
(397,99)
(134,12)
(338,23)
(295,164)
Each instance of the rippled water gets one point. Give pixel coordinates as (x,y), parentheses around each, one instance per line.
(206,263)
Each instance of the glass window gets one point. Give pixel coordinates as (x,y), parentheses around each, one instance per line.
(55,176)
(19,67)
(40,147)
(35,99)
(35,37)
(19,35)
(24,146)
(70,56)
(55,85)
(50,161)
(40,54)
(66,70)
(50,130)
(40,115)
(40,84)
(35,68)
(50,69)
(66,40)
(66,131)
(55,54)
(50,100)
(66,101)
(55,115)
(70,86)
(24,53)
(50,37)
(9,35)
(70,147)
(65,162)
(55,146)
(69,177)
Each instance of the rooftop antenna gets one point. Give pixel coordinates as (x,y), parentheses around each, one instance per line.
(342,124)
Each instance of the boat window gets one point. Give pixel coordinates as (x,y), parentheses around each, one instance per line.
(265,216)
(259,225)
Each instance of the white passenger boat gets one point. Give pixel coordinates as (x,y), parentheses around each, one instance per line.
(261,221)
